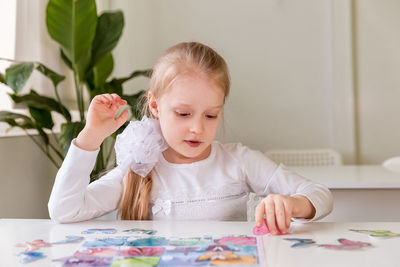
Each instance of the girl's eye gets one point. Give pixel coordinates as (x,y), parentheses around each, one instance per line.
(211,116)
(183,114)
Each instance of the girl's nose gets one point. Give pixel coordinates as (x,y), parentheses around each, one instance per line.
(197,126)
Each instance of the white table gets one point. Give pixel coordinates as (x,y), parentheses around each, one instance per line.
(361,192)
(277,251)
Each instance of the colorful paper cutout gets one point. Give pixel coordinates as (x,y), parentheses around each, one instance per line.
(140,231)
(193,241)
(185,250)
(220,255)
(100,231)
(377,233)
(79,261)
(346,244)
(29,256)
(98,252)
(244,260)
(69,239)
(105,242)
(218,247)
(237,240)
(263,229)
(34,245)
(300,242)
(136,261)
(151,241)
(141,251)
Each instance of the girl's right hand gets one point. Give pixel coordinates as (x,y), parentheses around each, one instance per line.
(100,121)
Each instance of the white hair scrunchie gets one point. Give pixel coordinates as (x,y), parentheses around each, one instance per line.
(139,146)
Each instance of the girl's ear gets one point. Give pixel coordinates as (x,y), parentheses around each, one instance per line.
(152,101)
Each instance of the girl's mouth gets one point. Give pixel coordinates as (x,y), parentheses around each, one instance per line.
(193,143)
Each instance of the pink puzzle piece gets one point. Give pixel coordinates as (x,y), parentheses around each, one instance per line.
(263,229)
(34,245)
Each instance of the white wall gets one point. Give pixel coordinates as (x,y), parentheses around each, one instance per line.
(279,54)
(26,179)
(305,74)
(378,61)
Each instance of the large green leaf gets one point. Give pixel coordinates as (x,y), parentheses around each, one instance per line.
(72,23)
(108,32)
(52,75)
(33,99)
(102,70)
(137,73)
(17,120)
(3,78)
(18,74)
(42,117)
(65,59)
(69,131)
(115,85)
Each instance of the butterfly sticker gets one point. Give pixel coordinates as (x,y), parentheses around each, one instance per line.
(34,245)
(29,256)
(101,231)
(300,242)
(346,244)
(69,239)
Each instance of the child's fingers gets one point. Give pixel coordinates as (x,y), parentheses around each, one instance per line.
(104,100)
(122,118)
(288,212)
(108,97)
(270,215)
(115,97)
(118,101)
(260,211)
(122,102)
(98,99)
(280,215)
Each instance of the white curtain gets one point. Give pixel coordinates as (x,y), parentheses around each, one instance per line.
(33,43)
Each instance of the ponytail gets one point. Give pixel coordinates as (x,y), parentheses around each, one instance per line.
(134,203)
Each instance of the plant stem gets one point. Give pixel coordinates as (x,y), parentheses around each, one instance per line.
(79,97)
(108,156)
(55,149)
(43,150)
(60,104)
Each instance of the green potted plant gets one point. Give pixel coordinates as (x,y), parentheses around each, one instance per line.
(86,41)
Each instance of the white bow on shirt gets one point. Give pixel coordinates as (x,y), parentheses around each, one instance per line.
(160,204)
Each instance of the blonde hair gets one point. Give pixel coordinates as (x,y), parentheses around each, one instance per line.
(183,58)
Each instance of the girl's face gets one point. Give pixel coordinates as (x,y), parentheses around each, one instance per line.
(189,113)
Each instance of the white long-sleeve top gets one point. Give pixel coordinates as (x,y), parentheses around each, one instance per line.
(215,188)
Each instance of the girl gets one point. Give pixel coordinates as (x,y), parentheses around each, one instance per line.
(169,166)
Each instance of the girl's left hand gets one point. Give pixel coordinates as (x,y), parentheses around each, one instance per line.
(279,209)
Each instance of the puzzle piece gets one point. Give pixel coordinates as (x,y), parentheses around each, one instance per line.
(69,239)
(263,229)
(377,233)
(99,230)
(29,256)
(300,242)
(34,245)
(346,244)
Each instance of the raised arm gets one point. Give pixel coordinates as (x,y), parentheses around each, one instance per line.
(73,198)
